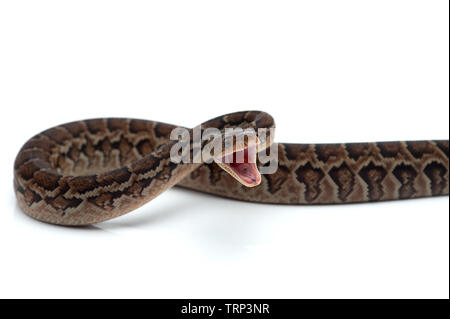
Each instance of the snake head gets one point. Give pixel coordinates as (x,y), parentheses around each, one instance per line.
(240,162)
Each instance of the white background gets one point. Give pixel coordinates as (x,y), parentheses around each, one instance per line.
(328,71)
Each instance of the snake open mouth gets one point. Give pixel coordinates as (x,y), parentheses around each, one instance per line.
(242,167)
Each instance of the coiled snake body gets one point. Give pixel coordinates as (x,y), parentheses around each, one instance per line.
(89,171)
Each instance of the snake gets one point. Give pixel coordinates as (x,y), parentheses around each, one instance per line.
(90,171)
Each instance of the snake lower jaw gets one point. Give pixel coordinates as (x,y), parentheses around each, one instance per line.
(243,166)
(245,173)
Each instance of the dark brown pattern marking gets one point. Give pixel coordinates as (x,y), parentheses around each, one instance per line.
(47,179)
(420,148)
(357,150)
(31,197)
(145,147)
(275,181)
(326,151)
(389,149)
(76,128)
(162,130)
(27,170)
(120,175)
(83,184)
(436,174)
(294,151)
(443,145)
(96,126)
(116,124)
(62,203)
(311,177)
(145,164)
(138,126)
(373,175)
(406,174)
(215,173)
(344,178)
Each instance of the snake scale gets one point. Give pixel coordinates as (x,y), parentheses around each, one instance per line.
(90,171)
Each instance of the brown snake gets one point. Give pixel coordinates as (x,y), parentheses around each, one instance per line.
(89,171)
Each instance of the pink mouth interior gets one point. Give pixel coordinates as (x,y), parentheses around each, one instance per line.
(248,172)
